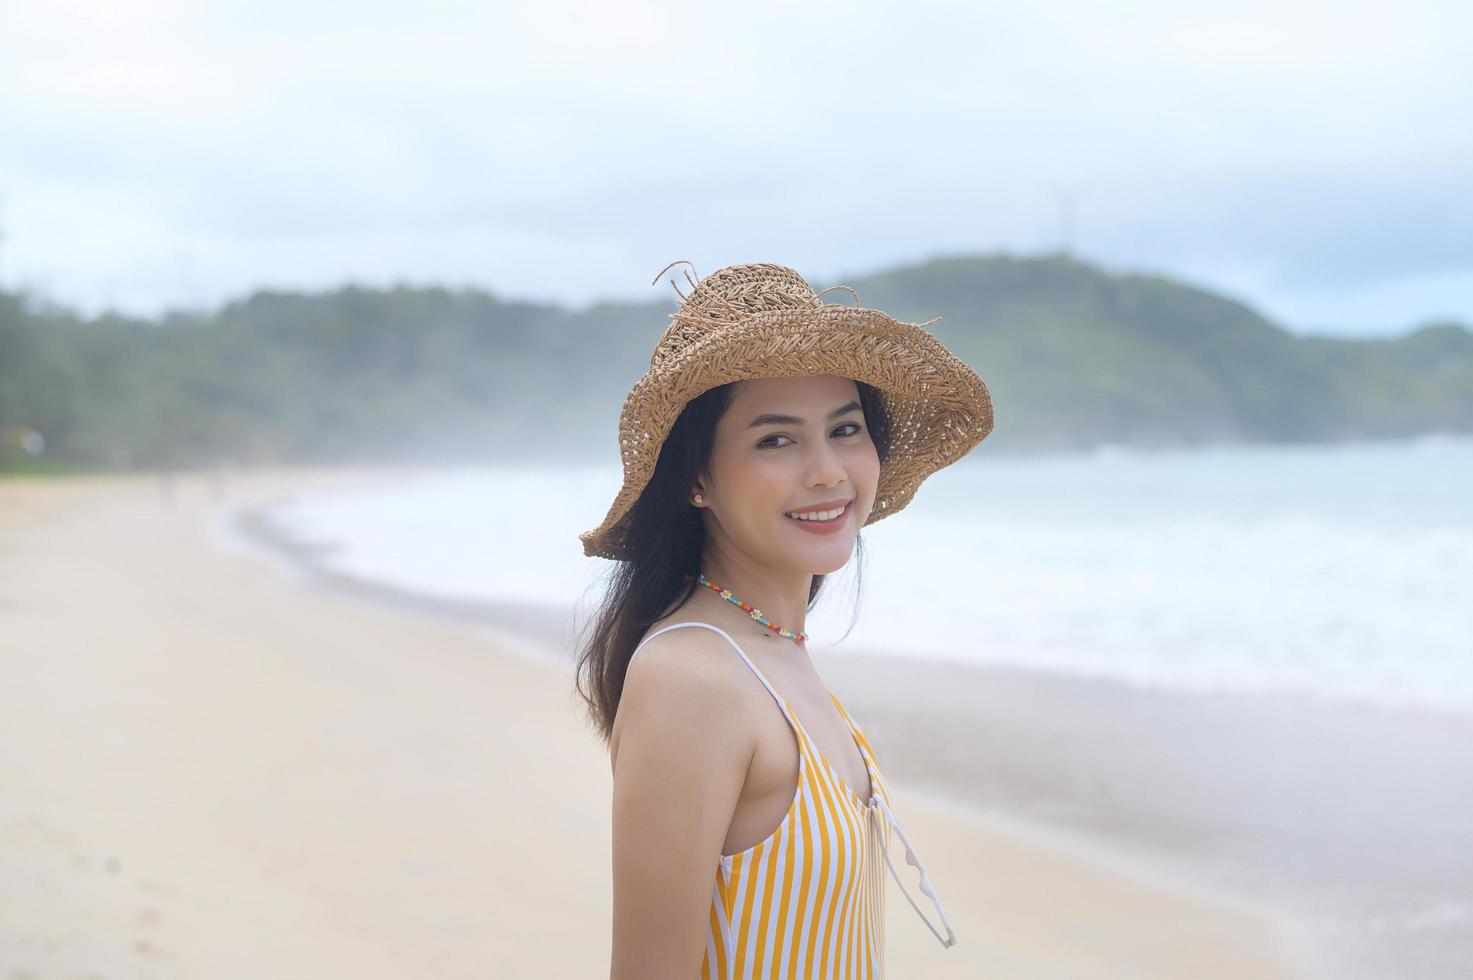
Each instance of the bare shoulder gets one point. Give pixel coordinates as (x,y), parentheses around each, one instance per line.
(684,683)
(681,747)
(686,656)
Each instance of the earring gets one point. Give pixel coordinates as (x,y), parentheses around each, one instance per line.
(696,498)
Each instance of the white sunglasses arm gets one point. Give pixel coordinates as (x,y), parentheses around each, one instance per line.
(926,888)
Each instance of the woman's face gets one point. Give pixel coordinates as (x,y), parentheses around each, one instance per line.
(790,445)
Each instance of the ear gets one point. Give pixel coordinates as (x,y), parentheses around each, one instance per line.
(698,495)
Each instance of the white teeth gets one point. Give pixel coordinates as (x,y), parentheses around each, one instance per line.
(819,515)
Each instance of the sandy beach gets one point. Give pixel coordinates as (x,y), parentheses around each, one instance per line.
(215,768)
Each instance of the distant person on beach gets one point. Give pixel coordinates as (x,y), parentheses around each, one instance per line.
(751,822)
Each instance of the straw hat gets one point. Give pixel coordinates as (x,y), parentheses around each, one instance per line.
(764,321)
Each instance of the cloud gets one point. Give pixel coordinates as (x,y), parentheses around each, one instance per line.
(1285,148)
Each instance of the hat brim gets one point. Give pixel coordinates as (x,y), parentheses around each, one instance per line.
(938,407)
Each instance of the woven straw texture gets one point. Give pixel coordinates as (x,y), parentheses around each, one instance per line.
(764,321)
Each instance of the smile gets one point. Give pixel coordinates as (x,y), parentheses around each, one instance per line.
(822,520)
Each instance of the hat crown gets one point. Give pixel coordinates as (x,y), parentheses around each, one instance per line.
(729,296)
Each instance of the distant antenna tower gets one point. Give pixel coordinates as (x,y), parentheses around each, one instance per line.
(1067,198)
(186,281)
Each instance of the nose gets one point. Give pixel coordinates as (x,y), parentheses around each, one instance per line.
(825,468)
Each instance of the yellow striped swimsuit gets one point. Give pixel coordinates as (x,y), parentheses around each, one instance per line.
(809,901)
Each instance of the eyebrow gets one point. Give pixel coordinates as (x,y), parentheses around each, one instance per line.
(771,419)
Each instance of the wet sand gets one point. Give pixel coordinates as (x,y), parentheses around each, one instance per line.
(221,765)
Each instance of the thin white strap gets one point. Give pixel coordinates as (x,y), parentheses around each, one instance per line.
(675,626)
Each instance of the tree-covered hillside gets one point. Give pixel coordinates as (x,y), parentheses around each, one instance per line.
(1074,356)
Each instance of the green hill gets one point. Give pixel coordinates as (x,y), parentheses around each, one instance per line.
(1075,356)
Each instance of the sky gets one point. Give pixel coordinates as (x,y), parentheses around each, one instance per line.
(1311,159)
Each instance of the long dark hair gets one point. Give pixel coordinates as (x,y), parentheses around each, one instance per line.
(666,538)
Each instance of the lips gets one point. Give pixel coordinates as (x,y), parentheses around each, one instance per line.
(825,505)
(828,526)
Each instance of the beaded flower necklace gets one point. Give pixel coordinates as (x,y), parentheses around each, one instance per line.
(754,613)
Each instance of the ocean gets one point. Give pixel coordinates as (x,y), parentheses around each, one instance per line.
(1340,572)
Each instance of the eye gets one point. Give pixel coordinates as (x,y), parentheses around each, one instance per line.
(767,443)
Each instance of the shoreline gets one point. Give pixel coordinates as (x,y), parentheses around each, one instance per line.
(539,632)
(1325,816)
(542,632)
(322,759)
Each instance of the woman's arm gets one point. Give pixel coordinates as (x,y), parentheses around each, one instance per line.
(680,757)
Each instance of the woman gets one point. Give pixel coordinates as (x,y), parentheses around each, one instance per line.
(750,818)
